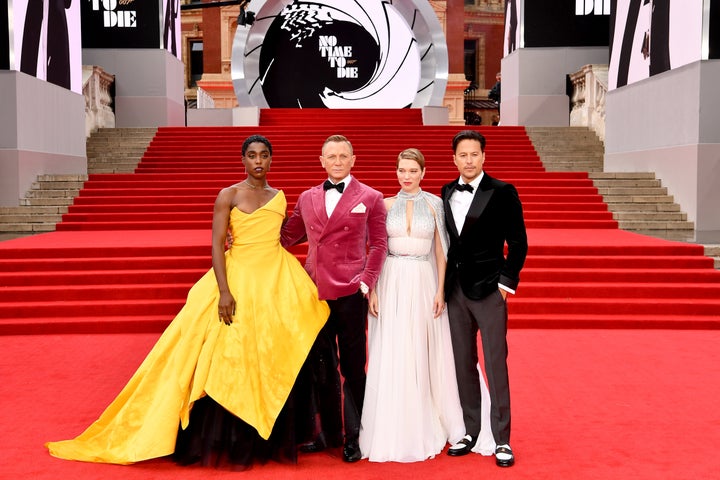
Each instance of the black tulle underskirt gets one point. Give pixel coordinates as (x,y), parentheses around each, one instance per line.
(217,438)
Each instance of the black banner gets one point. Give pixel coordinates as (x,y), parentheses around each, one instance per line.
(714,34)
(566,23)
(4,38)
(121,24)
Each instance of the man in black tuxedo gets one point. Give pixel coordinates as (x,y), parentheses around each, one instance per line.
(482,215)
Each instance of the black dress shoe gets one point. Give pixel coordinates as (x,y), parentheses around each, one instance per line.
(312,447)
(351,452)
(504,456)
(463,447)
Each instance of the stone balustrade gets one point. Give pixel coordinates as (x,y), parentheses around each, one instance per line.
(587,101)
(97,87)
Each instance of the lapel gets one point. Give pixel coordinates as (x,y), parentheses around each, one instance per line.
(317,199)
(348,200)
(479,202)
(450,224)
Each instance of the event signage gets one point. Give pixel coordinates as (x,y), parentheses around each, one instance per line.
(131,24)
(340,54)
(560,23)
(43,40)
(714,30)
(4,38)
(653,36)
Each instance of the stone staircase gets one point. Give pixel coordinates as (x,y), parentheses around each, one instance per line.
(568,149)
(109,150)
(117,150)
(42,208)
(637,200)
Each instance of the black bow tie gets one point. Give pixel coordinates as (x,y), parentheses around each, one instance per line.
(328,185)
(464,187)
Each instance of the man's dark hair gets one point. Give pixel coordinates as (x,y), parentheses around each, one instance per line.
(468,135)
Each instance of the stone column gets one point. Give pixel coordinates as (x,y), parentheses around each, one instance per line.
(451,14)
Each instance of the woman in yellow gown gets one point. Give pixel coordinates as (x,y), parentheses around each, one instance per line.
(217,383)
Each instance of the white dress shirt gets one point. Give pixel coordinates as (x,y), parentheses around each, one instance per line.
(460,201)
(332,196)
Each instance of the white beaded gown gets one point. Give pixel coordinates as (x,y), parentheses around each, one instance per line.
(412,409)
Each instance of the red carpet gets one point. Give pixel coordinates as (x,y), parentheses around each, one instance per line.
(587,404)
(614,364)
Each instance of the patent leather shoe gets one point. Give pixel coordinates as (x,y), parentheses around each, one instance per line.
(463,447)
(504,456)
(312,447)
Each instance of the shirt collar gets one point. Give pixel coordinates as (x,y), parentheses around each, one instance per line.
(475,183)
(345,180)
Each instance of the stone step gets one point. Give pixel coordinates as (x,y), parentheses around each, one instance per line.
(560,144)
(61,177)
(110,137)
(38,210)
(114,168)
(645,207)
(119,160)
(614,199)
(572,167)
(26,228)
(135,152)
(127,140)
(623,190)
(551,162)
(657,216)
(687,236)
(637,225)
(713,251)
(53,185)
(622,175)
(125,131)
(39,202)
(627,183)
(549,159)
(69,193)
(29,217)
(554,131)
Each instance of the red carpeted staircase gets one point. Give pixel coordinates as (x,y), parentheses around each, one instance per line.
(131,245)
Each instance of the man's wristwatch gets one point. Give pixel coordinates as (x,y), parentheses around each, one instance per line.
(364,288)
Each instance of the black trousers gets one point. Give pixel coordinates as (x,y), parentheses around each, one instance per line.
(489,317)
(343,342)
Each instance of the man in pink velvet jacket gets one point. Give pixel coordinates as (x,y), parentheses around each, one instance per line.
(344,223)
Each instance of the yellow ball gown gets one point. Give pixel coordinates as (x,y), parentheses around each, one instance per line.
(249,367)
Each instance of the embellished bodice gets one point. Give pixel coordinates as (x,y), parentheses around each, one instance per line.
(418,240)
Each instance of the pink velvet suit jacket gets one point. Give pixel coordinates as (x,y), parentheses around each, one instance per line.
(345,249)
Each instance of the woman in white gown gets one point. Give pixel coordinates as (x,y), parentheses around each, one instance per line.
(412,409)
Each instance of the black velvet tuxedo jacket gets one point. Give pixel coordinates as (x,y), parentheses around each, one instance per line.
(476,255)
